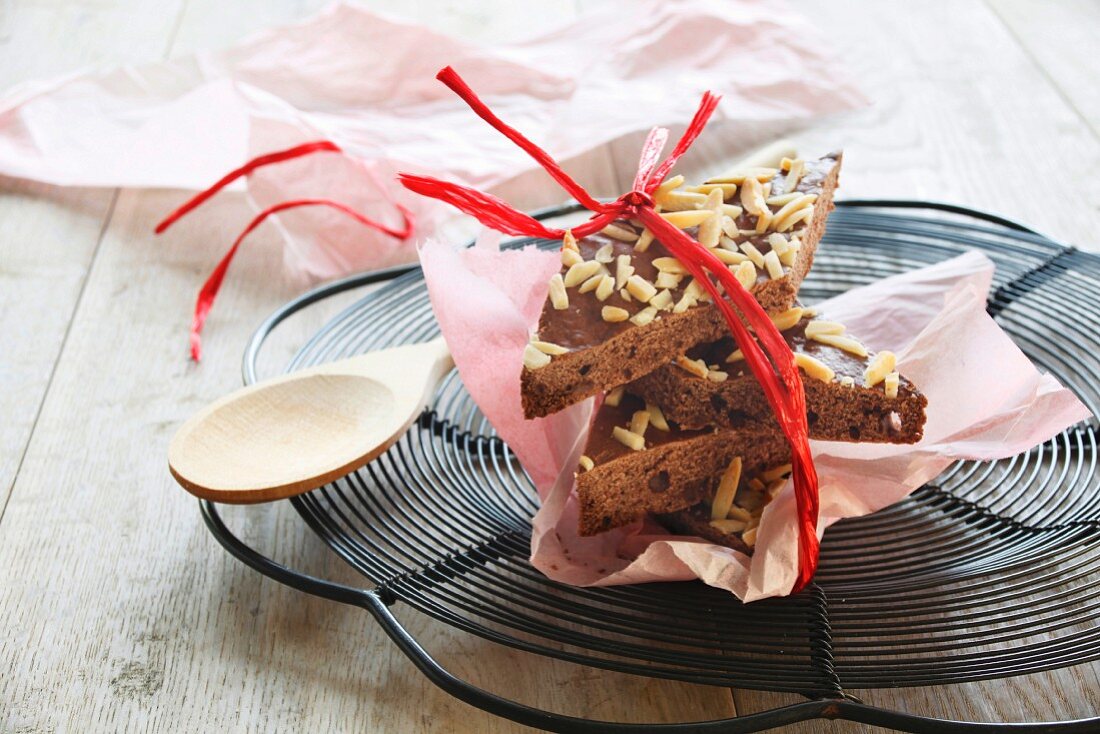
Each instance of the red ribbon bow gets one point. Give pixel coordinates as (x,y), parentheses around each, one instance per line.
(767,355)
(205,300)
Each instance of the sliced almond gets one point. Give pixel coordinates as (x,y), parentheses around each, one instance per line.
(676,201)
(717,375)
(628,438)
(711,229)
(581,272)
(786,319)
(794,174)
(614,397)
(763,222)
(559,298)
(781,199)
(745,274)
(685,219)
(586,463)
(793,248)
(623,270)
(847,343)
(732,212)
(772,265)
(625,295)
(669,265)
(778,243)
(805,214)
(821,328)
(727,488)
(729,257)
(619,232)
(727,189)
(735,356)
(569,242)
(662,300)
(753,254)
(793,206)
(752,197)
(533,359)
(639,422)
(666,279)
(739,513)
(749,537)
(883,364)
(656,417)
(548,348)
(684,304)
(847,381)
(605,288)
(591,284)
(694,366)
(730,230)
(569,258)
(814,368)
(614,314)
(890,384)
(644,240)
(673,183)
(645,316)
(605,254)
(640,288)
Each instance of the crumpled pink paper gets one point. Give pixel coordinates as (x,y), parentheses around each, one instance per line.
(367,82)
(986,401)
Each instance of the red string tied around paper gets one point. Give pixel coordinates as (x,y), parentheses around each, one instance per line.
(209,291)
(766,352)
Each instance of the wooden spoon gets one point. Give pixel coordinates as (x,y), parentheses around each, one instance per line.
(290,434)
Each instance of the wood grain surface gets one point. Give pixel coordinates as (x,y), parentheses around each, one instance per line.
(121,613)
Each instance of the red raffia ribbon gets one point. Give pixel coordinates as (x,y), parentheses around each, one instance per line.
(769,357)
(209,291)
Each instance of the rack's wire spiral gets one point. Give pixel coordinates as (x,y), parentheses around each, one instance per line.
(992,570)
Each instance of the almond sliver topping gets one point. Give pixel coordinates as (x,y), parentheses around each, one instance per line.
(728,527)
(753,254)
(794,174)
(623,270)
(533,359)
(614,314)
(581,272)
(605,288)
(739,176)
(591,284)
(776,472)
(814,368)
(587,463)
(666,279)
(644,241)
(548,348)
(729,257)
(628,438)
(847,343)
(673,183)
(640,288)
(639,422)
(559,298)
(745,274)
(568,241)
(735,356)
(786,319)
(890,384)
(569,258)
(773,266)
(685,219)
(614,397)
(818,327)
(694,366)
(669,265)
(645,316)
(662,300)
(675,201)
(618,232)
(656,417)
(605,254)
(883,364)
(727,488)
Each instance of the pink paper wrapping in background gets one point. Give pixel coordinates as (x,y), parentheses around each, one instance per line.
(367,83)
(986,401)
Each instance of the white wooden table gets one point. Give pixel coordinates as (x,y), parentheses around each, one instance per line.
(120,612)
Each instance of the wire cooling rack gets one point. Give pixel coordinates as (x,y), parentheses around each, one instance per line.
(992,570)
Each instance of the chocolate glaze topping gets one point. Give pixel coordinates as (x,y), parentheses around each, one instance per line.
(581,325)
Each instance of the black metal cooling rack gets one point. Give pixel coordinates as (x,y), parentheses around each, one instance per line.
(992,570)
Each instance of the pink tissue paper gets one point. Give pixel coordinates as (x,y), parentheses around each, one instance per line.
(366,82)
(488,302)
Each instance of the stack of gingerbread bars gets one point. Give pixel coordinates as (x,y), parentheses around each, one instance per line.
(684,432)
